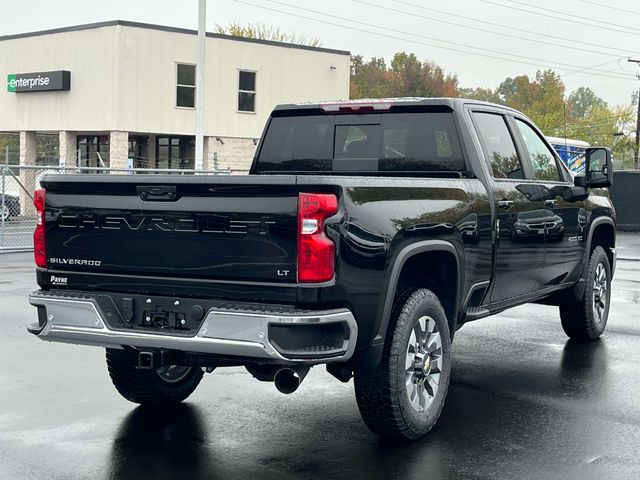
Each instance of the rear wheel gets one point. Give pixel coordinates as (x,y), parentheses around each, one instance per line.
(586,319)
(404,395)
(159,387)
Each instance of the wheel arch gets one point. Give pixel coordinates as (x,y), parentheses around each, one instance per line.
(602,233)
(437,257)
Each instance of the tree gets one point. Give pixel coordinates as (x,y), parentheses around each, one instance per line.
(369,79)
(581,115)
(406,76)
(542,99)
(265,32)
(484,94)
(582,101)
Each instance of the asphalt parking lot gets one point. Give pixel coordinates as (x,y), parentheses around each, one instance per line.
(524,402)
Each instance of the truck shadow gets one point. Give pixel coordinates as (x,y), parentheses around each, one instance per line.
(157,443)
(496,424)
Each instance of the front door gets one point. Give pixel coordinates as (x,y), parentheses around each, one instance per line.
(519,254)
(565,219)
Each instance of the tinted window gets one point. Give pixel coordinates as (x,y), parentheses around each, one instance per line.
(543,162)
(501,151)
(187,75)
(246,91)
(403,142)
(186,85)
(247,81)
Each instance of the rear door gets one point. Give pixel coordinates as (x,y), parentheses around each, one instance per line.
(519,255)
(565,218)
(191,227)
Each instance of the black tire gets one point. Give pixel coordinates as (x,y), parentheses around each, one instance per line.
(382,394)
(148,387)
(580,320)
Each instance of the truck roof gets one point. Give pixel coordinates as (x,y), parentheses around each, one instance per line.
(451,102)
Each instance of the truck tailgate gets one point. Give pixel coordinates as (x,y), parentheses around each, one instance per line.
(211,227)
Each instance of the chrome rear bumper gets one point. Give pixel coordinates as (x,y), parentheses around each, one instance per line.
(234,333)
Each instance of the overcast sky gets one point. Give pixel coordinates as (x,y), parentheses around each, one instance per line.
(483,41)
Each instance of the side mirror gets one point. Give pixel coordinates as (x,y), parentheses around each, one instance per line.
(598,168)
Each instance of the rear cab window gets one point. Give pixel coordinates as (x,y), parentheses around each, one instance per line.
(421,141)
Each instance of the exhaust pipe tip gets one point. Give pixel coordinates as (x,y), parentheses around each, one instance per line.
(287,380)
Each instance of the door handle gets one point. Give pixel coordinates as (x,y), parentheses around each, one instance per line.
(505,204)
(551,202)
(157,193)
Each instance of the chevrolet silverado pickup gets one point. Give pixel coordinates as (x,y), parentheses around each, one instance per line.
(365,235)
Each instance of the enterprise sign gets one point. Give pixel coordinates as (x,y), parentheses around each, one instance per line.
(39,81)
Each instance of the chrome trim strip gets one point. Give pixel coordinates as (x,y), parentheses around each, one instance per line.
(222,332)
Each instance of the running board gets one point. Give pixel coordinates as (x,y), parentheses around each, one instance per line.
(475,313)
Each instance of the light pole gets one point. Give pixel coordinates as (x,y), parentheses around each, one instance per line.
(200,69)
(636,162)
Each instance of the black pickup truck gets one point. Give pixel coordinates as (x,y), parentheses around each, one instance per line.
(366,234)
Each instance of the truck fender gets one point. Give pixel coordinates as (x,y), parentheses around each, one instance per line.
(576,292)
(370,357)
(592,228)
(405,254)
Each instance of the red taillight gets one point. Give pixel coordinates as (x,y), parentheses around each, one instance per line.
(316,251)
(39,249)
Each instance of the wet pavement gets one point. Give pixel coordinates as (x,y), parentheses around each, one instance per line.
(524,402)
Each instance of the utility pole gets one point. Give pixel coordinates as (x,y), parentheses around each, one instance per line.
(636,160)
(200,70)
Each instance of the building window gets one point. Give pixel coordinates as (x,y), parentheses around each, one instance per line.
(175,152)
(93,151)
(186,86)
(246,91)
(139,151)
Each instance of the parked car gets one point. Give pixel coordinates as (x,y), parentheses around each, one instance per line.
(538,225)
(366,234)
(9,206)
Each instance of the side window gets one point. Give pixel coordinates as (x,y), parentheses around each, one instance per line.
(500,149)
(542,160)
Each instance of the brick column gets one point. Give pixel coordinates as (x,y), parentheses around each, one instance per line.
(118,149)
(209,152)
(236,154)
(68,148)
(27,176)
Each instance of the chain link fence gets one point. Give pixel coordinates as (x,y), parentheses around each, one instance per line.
(17,183)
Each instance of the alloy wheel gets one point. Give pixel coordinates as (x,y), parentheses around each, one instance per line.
(423,363)
(600,293)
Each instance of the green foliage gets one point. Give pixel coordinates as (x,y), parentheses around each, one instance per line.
(406,76)
(12,141)
(580,115)
(47,148)
(370,79)
(265,32)
(583,101)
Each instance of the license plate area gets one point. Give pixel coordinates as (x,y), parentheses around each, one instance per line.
(158,315)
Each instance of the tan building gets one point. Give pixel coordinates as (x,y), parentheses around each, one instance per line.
(122,94)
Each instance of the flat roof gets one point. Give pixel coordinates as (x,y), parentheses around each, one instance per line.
(164,28)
